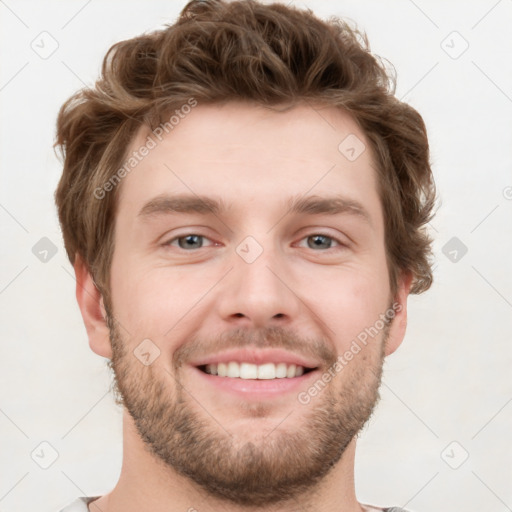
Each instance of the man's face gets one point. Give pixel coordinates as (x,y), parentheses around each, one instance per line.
(254,281)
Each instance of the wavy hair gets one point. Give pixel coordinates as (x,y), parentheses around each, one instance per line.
(271,55)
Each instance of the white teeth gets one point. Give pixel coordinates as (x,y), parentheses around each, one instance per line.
(265,371)
(211,369)
(248,371)
(281,370)
(233,369)
(222,370)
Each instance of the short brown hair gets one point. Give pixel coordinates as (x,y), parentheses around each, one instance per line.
(271,55)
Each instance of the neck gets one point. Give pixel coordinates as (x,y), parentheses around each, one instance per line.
(146,483)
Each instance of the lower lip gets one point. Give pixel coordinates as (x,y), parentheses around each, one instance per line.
(256,388)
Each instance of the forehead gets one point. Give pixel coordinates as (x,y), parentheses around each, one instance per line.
(246,153)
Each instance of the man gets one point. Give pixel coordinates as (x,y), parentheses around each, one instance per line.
(244,202)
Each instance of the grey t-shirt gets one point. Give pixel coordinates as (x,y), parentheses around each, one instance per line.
(80,505)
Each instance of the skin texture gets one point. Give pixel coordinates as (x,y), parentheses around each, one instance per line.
(193,445)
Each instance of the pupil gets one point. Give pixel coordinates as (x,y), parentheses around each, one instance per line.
(190,241)
(320,241)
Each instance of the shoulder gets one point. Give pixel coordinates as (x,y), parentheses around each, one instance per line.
(80,504)
(373,508)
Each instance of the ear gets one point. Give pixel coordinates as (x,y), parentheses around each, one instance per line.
(93,311)
(399,323)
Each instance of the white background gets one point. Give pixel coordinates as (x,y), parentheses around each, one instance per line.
(451,378)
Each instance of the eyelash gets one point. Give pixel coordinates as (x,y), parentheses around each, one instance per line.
(169,243)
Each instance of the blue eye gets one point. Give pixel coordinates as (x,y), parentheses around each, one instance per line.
(187,242)
(320,241)
(192,241)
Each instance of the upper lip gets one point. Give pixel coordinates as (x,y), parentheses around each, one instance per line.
(257,356)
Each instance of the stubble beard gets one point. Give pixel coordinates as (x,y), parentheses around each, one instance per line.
(277,467)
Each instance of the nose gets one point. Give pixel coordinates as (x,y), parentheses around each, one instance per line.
(258,293)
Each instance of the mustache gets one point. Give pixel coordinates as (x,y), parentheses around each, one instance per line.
(317,348)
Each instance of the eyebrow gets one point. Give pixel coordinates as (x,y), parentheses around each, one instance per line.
(204,205)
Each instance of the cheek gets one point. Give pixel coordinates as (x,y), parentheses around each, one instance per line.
(349,301)
(150,302)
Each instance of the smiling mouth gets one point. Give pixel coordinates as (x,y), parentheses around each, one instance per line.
(249,371)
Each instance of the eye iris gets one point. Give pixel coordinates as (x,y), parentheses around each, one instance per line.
(319,241)
(190,241)
(196,241)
